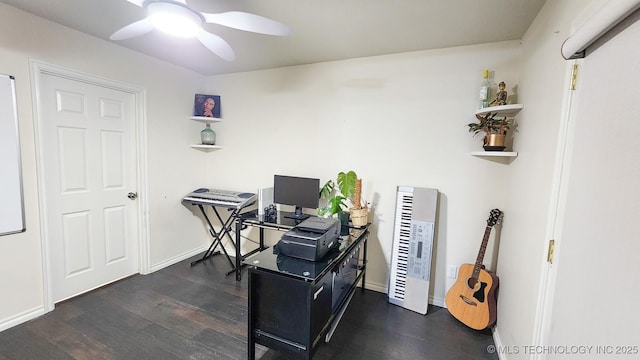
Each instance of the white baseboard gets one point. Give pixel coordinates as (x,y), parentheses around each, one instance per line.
(498,344)
(385,288)
(178,258)
(375,287)
(21,318)
(439,302)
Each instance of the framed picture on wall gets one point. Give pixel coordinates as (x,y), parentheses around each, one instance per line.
(207,105)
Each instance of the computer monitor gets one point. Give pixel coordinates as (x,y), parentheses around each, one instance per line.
(300,192)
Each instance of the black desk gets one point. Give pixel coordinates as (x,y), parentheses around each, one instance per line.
(279,223)
(294,303)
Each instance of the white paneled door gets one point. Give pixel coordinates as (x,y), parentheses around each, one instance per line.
(597,258)
(89,164)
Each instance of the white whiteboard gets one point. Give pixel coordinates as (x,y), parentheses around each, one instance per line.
(11,200)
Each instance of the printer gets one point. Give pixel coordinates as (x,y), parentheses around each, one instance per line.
(311,239)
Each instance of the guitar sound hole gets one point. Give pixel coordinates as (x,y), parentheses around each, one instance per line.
(472,283)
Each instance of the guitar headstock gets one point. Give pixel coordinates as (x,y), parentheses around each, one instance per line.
(494,217)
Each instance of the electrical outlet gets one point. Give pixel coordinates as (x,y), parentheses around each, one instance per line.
(452,271)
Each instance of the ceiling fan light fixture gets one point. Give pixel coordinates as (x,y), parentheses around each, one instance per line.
(177,18)
(174,19)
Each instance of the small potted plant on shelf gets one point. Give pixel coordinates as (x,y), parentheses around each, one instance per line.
(495,130)
(345,189)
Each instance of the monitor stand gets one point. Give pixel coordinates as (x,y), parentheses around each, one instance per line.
(298,214)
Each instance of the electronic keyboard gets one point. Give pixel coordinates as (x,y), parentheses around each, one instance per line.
(222,198)
(412,247)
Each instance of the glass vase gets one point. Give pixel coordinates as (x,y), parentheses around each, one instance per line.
(208,136)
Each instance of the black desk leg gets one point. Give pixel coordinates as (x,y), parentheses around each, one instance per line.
(364,259)
(262,239)
(237,244)
(250,314)
(238,255)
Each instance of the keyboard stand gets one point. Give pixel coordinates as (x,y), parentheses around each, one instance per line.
(218,236)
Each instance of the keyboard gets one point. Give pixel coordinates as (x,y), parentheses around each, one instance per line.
(222,198)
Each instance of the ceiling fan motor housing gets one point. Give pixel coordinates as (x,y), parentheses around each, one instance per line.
(174,18)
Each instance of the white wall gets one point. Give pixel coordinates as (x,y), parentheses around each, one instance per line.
(173,168)
(531,192)
(396,120)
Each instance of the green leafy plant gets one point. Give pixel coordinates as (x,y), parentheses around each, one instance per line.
(345,184)
(490,125)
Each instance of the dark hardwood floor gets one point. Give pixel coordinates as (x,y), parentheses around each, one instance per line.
(184,312)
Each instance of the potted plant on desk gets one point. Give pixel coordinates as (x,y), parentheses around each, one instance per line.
(346,188)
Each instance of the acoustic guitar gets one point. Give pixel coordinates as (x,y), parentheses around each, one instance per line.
(472,299)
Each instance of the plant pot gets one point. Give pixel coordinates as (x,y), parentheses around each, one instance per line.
(494,139)
(494,142)
(359,216)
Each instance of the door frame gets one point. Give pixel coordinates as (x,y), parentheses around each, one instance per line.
(559,190)
(38,69)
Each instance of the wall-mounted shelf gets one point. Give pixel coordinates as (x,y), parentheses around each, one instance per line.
(510,110)
(205,120)
(495,153)
(503,157)
(206,148)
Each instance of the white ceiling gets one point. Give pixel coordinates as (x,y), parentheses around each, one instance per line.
(323,30)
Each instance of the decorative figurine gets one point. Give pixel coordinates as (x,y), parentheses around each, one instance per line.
(501,96)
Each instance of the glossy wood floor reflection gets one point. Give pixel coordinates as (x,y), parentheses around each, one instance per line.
(184,312)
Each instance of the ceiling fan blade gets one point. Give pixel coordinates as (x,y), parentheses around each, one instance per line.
(132,30)
(141,2)
(248,22)
(137,2)
(216,44)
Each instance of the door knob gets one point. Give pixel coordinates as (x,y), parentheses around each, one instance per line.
(132,195)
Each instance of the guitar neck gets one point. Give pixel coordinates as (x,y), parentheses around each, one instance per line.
(483,248)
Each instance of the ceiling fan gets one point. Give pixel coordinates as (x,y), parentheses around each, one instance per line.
(177,18)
